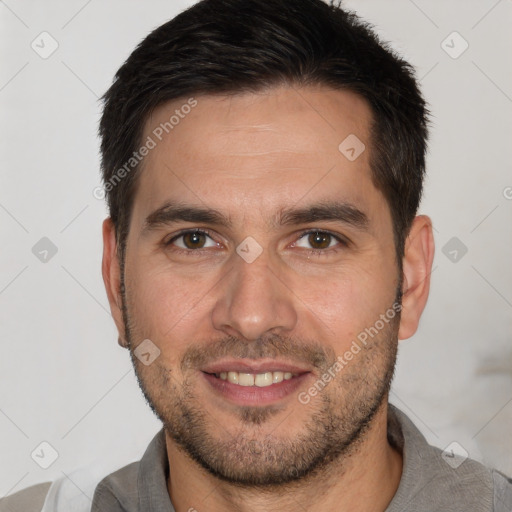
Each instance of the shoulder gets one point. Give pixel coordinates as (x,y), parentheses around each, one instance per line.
(115,492)
(436,479)
(27,500)
(472,484)
(118,490)
(502,492)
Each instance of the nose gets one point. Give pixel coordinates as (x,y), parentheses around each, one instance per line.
(254,300)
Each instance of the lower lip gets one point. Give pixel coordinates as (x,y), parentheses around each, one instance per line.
(254,395)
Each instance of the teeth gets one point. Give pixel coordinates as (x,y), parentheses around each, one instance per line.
(245,379)
(255,379)
(263,379)
(277,377)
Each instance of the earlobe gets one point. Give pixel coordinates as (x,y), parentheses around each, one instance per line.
(112,277)
(417,267)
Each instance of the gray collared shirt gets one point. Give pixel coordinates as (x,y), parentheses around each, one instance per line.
(430,481)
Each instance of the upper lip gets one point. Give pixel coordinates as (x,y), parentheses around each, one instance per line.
(253,366)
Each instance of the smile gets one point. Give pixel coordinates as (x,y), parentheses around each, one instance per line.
(255,379)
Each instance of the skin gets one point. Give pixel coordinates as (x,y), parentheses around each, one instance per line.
(249,156)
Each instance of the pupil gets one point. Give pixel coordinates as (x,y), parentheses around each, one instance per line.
(194,238)
(319,239)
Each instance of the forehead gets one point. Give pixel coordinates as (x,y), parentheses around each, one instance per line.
(258,152)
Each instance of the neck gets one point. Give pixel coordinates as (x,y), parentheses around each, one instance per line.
(366,479)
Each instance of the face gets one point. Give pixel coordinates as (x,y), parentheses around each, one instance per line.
(258,249)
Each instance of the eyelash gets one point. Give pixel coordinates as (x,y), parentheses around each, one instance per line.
(314,252)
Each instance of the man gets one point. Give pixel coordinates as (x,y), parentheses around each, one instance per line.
(263,162)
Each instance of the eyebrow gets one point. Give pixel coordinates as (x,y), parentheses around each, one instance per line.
(339,211)
(326,211)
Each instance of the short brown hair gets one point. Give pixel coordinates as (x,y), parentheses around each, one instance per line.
(233,46)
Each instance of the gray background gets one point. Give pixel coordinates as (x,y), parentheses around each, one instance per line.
(64,379)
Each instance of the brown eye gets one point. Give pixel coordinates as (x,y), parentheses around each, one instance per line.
(191,240)
(319,240)
(195,240)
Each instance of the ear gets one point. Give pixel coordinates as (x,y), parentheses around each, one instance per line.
(417,267)
(111,272)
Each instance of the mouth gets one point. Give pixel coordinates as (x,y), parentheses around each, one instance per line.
(261,380)
(254,382)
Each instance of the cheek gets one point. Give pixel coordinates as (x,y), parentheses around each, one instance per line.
(344,304)
(165,305)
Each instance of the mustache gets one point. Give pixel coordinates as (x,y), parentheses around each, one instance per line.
(272,346)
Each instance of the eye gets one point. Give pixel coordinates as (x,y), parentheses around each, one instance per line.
(191,240)
(320,241)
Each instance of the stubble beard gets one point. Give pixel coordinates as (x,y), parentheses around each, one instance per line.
(252,457)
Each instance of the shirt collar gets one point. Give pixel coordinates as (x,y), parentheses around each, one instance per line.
(152,477)
(154,466)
